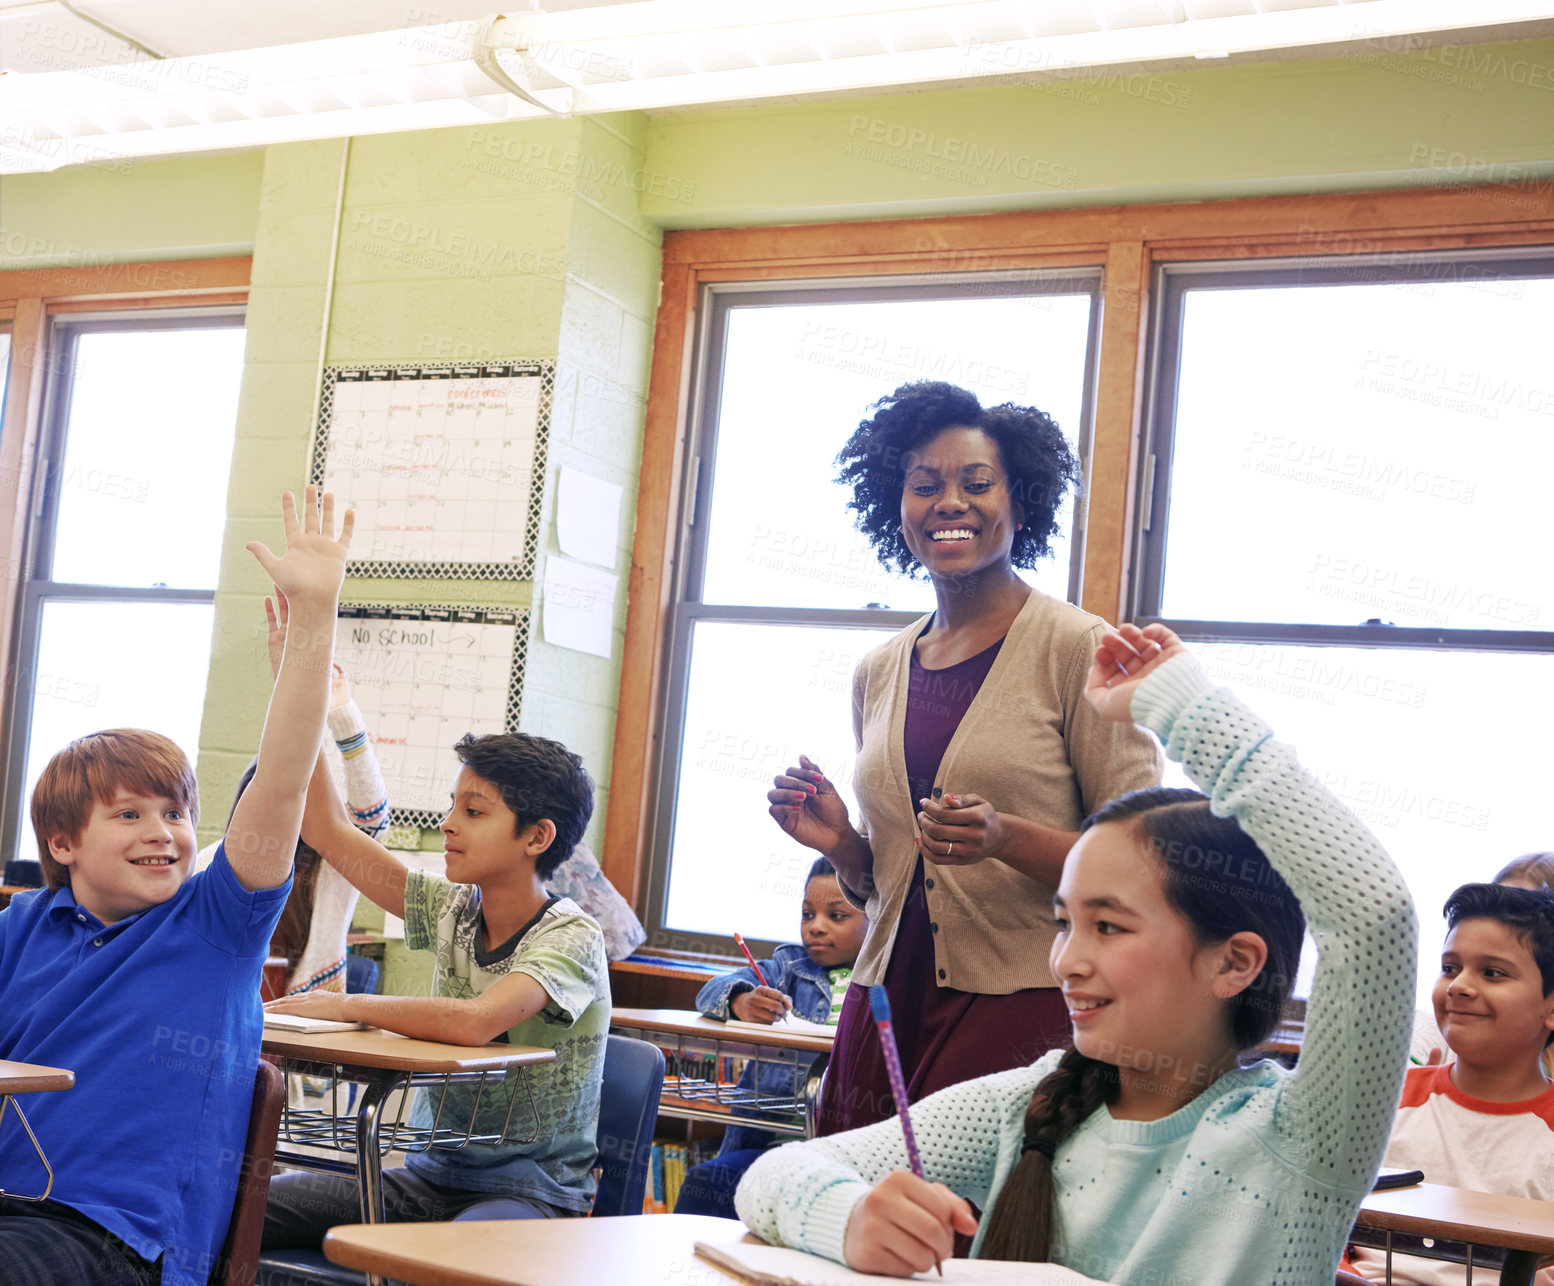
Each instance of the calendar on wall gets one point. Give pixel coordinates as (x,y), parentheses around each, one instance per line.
(423,677)
(444,465)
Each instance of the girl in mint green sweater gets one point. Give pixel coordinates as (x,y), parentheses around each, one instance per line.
(1148,1154)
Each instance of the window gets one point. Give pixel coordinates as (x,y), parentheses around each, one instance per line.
(1343,503)
(129,510)
(779,595)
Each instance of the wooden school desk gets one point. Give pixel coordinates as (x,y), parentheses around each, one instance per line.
(1523,1228)
(636,1250)
(384,1063)
(29,1078)
(688,1039)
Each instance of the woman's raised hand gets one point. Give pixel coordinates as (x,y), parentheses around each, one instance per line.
(1124,658)
(805,804)
(905,1225)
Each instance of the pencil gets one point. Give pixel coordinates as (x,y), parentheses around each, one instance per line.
(760,977)
(880,1003)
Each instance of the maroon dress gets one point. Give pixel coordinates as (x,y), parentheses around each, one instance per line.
(945,1036)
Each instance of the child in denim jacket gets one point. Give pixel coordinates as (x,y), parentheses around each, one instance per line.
(809,978)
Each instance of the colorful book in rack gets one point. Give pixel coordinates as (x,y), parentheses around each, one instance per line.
(658,1180)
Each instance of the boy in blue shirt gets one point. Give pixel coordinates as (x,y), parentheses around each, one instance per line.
(809,978)
(144,980)
(511,963)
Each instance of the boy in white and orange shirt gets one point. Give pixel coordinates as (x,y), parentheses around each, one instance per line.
(1485,1120)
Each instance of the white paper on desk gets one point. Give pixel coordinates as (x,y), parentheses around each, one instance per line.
(779,1266)
(579,607)
(588,517)
(790,1023)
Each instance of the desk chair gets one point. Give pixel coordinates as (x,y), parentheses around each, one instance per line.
(238,1264)
(632,1081)
(628,1110)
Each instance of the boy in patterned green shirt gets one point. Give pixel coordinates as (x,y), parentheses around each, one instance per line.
(512,964)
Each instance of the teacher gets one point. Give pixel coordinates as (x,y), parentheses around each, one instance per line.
(978,756)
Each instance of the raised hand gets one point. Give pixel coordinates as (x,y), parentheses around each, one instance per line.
(904,1226)
(339,687)
(313,566)
(277,614)
(1124,658)
(805,804)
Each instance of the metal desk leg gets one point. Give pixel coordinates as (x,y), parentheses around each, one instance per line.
(7,1101)
(1520,1265)
(369,1164)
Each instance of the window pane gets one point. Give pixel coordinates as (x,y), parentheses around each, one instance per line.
(1362,451)
(796,382)
(759,695)
(143,494)
(1399,737)
(5,366)
(117,665)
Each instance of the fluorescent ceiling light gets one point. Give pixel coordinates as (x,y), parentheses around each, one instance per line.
(651,55)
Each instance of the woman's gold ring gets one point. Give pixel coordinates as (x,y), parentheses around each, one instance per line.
(948,849)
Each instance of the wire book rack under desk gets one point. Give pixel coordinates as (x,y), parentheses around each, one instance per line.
(696,1089)
(336,1127)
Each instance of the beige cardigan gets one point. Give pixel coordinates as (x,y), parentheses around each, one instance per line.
(1030,745)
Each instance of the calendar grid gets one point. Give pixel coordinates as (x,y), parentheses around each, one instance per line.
(410,717)
(406,441)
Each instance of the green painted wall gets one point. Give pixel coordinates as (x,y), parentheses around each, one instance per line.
(1465,114)
(518,241)
(185,208)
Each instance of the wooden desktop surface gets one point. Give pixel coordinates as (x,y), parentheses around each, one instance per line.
(687,1022)
(640,1250)
(29,1078)
(1430,1210)
(385,1050)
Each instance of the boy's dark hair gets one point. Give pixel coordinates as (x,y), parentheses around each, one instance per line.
(91,770)
(1528,915)
(819,870)
(1039,465)
(1221,883)
(538,778)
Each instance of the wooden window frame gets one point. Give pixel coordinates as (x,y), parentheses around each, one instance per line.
(1128,242)
(30,299)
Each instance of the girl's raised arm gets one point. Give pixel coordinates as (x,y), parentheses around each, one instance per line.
(1337,1112)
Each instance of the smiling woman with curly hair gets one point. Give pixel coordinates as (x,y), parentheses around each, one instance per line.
(978,756)
(1038,465)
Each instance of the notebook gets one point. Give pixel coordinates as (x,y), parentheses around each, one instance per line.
(779,1266)
(297,1022)
(792,1024)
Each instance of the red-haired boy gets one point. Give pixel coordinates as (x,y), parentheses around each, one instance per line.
(144,980)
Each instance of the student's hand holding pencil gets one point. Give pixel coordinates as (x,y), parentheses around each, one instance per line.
(763,1005)
(905,1225)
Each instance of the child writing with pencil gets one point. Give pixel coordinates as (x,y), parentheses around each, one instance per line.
(1148,1150)
(809,978)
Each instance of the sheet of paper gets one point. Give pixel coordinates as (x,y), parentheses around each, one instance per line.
(588,517)
(579,606)
(779,1266)
(791,1023)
